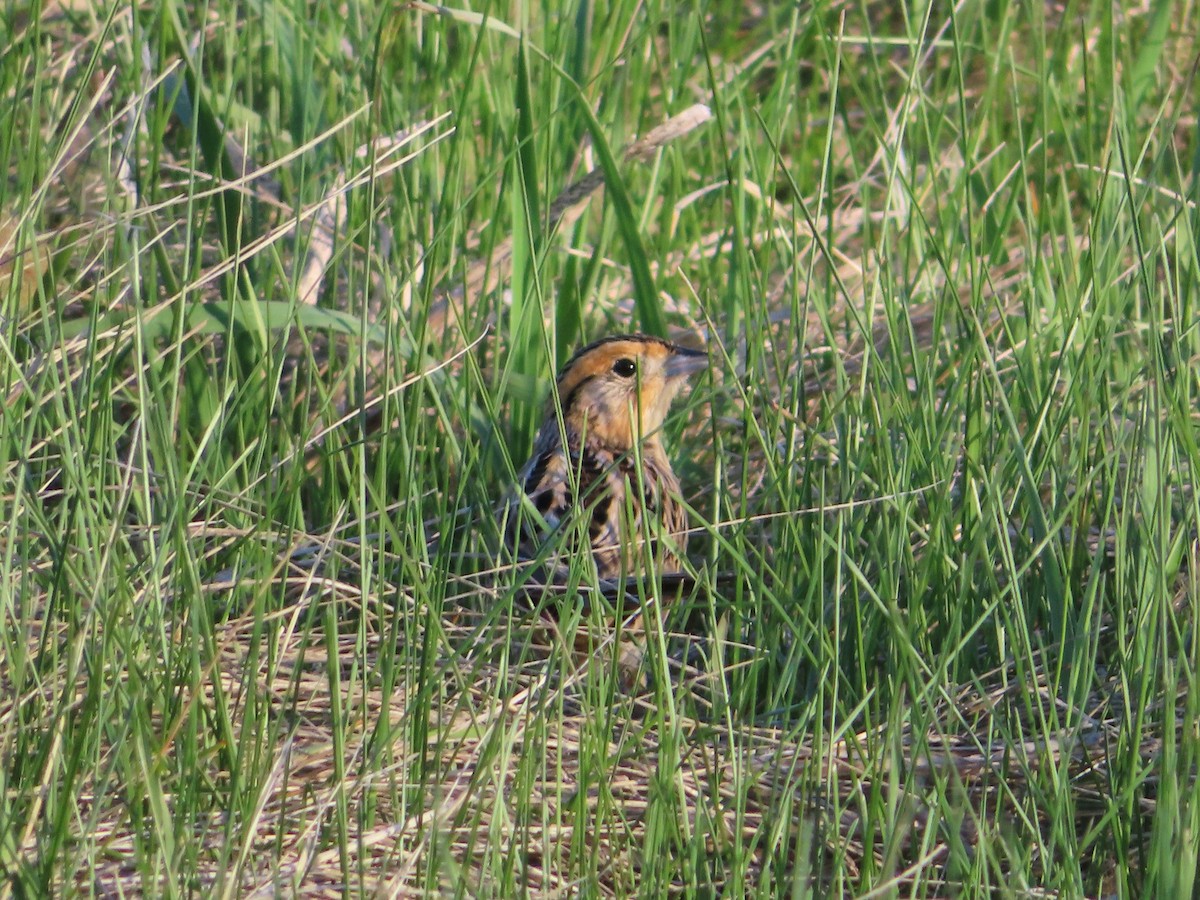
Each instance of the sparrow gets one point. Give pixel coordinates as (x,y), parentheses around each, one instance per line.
(599,468)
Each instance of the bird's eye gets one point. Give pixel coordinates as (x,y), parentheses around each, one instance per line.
(625,367)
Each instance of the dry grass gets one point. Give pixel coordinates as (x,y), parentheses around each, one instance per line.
(511,753)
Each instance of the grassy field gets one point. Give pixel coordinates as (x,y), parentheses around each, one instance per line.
(282,289)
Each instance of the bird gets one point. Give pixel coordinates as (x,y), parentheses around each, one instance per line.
(599,470)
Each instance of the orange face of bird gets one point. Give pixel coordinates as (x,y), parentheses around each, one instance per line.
(620,389)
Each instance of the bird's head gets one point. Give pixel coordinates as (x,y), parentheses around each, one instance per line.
(619,389)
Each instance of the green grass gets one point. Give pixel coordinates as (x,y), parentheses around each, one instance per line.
(257,630)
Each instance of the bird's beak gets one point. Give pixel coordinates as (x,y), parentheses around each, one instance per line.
(685,362)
